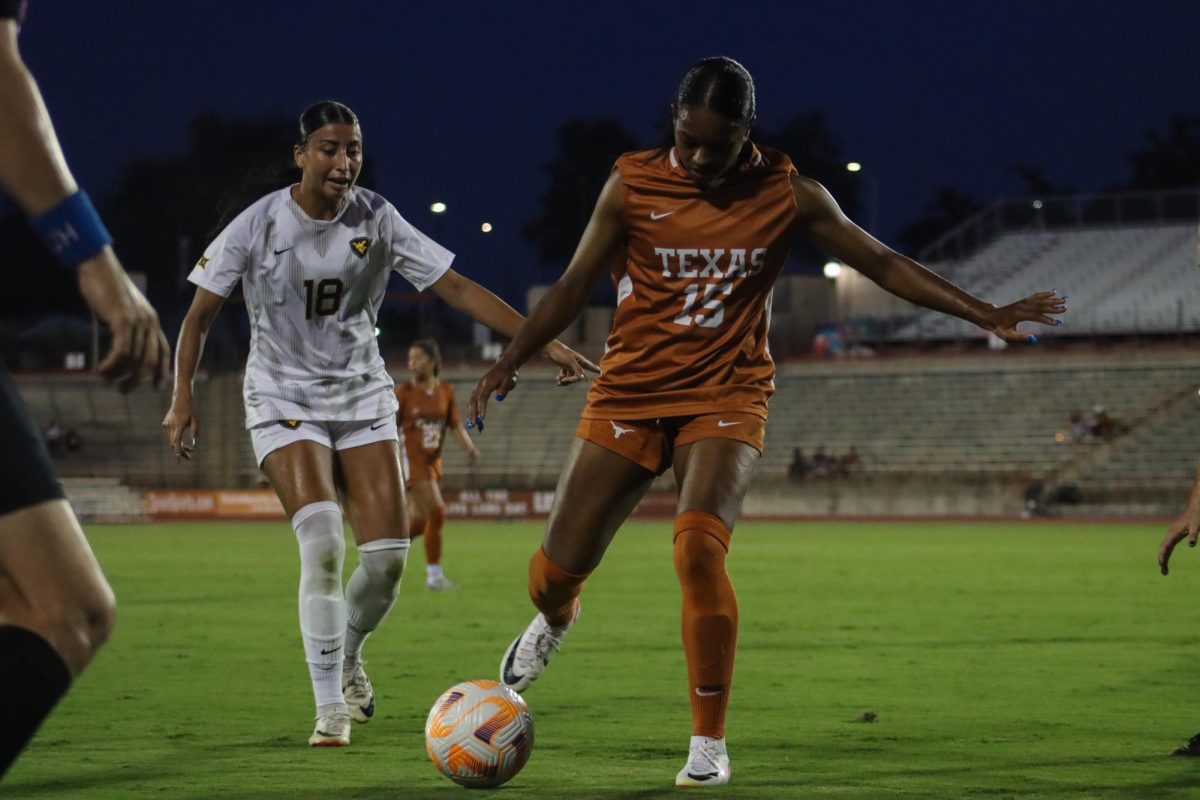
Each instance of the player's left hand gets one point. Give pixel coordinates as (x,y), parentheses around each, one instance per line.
(1185,526)
(573,367)
(1040,307)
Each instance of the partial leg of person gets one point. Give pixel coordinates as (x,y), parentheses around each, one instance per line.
(597,491)
(373,491)
(427,496)
(713,476)
(56,610)
(301,473)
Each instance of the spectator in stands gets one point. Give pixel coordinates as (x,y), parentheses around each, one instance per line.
(850,462)
(821,463)
(798,469)
(73,441)
(1079,430)
(1104,426)
(53,436)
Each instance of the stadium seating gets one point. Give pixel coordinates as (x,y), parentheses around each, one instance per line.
(1131,279)
(997,416)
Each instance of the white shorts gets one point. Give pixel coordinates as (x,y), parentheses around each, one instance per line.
(270,436)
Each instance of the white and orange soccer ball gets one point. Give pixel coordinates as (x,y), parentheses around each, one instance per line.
(479,733)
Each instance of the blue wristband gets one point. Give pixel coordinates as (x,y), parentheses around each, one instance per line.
(72,230)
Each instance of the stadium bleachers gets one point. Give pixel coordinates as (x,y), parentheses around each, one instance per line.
(1126,280)
(982,417)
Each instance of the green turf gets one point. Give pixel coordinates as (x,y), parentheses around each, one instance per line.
(1000,661)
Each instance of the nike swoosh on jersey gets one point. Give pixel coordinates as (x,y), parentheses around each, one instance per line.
(657,215)
(723,424)
(284,250)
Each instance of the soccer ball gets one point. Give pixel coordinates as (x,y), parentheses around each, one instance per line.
(479,733)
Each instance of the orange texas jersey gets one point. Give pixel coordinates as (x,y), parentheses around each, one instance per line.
(694,288)
(423,417)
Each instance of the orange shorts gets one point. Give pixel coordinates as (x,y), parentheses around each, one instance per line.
(421,467)
(651,443)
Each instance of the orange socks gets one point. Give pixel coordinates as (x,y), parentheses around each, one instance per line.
(710,617)
(433,536)
(553,589)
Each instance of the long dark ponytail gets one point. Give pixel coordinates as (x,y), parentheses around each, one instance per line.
(718,83)
(266,179)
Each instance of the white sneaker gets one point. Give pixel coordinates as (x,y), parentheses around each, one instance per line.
(530,652)
(333,728)
(440,584)
(360,697)
(707,764)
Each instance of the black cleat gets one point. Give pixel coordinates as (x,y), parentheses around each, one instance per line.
(1192,748)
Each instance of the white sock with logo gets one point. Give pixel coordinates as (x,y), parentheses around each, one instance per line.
(319,533)
(371,591)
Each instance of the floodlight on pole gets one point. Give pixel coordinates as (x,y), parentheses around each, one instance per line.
(486,227)
(832,269)
(854,166)
(438,208)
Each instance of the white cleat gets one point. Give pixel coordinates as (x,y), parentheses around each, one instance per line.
(530,652)
(360,697)
(440,584)
(707,764)
(333,728)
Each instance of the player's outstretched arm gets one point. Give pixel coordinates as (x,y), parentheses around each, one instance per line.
(1185,526)
(562,302)
(181,416)
(824,224)
(35,174)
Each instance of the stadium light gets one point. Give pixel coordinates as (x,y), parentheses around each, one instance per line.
(854,166)
(832,269)
(438,208)
(486,227)
(1037,203)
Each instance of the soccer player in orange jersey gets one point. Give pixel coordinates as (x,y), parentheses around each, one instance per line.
(695,234)
(428,409)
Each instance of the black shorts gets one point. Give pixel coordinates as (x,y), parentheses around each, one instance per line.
(26,475)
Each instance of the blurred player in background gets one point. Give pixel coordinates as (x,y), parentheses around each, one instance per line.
(428,409)
(314,260)
(56,608)
(695,233)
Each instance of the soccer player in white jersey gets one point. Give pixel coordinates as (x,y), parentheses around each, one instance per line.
(314,260)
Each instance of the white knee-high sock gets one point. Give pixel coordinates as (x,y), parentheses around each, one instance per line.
(371,591)
(322,608)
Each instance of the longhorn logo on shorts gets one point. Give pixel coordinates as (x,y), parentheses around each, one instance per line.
(360,245)
(618,431)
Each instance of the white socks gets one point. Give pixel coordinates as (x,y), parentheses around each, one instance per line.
(433,572)
(371,591)
(319,533)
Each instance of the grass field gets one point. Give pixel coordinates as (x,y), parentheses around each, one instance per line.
(1000,660)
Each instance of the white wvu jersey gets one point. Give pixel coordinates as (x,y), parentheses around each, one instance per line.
(313,290)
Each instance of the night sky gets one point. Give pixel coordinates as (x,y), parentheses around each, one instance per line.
(460,101)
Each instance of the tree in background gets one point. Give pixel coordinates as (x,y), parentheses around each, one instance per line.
(1167,160)
(947,208)
(587,149)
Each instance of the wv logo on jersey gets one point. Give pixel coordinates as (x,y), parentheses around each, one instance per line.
(203,262)
(360,245)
